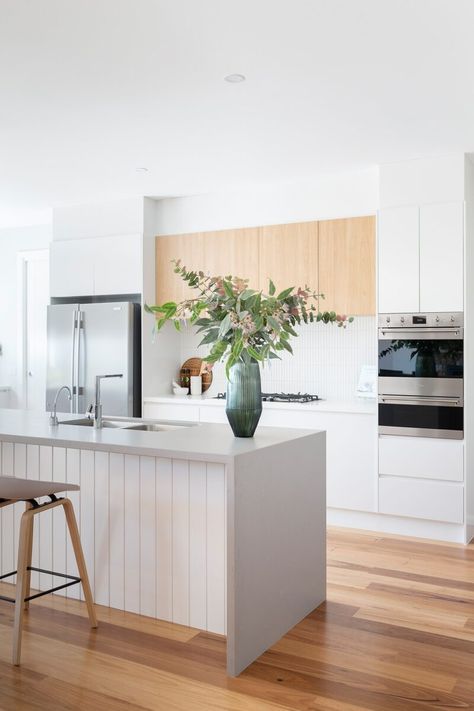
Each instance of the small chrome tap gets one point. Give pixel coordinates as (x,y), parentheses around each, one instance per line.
(53,418)
(95,410)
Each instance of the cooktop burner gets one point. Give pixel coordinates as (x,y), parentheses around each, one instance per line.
(282,397)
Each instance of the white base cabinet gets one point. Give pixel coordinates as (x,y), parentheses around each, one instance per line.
(417,498)
(351,444)
(422,478)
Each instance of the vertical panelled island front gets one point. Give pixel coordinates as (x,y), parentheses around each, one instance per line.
(188,525)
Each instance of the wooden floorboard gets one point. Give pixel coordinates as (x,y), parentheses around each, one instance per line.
(396,634)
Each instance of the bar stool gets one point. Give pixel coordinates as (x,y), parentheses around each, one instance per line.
(28,490)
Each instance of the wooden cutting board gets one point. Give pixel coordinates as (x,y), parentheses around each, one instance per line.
(195,365)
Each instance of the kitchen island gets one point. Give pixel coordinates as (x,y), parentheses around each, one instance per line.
(189,525)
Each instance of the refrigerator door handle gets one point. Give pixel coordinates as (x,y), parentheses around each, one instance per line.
(80,335)
(73,363)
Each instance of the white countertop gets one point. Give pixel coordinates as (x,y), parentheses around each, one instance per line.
(204,442)
(364,406)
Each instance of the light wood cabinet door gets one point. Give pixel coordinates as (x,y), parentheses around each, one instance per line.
(232,252)
(289,255)
(347,265)
(219,253)
(188,248)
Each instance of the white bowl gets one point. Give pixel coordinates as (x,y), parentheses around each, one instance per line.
(180,391)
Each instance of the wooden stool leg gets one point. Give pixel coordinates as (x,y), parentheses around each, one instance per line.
(29,554)
(81,563)
(21,581)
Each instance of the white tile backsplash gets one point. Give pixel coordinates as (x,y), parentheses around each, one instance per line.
(326,361)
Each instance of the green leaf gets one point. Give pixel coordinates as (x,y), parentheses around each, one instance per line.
(177,325)
(253,353)
(271,288)
(287,346)
(289,329)
(154,309)
(228,289)
(225,325)
(286,292)
(273,323)
(210,337)
(247,294)
(230,362)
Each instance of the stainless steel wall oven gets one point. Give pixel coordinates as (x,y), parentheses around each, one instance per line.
(420,374)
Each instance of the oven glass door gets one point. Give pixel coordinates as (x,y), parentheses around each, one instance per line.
(420,358)
(438,418)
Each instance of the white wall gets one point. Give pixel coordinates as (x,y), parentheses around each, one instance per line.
(116,217)
(328,196)
(12,241)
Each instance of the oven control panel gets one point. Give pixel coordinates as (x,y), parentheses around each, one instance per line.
(421,320)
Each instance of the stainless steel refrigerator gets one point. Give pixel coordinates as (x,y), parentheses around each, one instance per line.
(89,339)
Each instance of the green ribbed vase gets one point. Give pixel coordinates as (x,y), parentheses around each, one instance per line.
(244,398)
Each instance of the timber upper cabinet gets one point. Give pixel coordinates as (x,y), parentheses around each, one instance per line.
(220,253)
(347,265)
(420,254)
(289,256)
(334,257)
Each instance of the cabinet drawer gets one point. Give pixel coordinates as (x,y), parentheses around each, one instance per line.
(421,458)
(433,500)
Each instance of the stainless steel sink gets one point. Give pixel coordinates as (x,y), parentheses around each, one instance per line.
(127,425)
(86,422)
(155,427)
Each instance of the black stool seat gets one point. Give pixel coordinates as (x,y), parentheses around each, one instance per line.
(15,489)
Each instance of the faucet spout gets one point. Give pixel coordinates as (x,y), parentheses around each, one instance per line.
(53,418)
(97,406)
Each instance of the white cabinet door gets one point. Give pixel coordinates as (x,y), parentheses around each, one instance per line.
(72,267)
(421,458)
(118,265)
(418,498)
(398,259)
(351,453)
(163,411)
(441,257)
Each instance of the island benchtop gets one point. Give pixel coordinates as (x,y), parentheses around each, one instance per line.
(205,442)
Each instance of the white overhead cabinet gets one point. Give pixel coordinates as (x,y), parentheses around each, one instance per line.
(420,258)
(441,257)
(96,266)
(71,267)
(399,259)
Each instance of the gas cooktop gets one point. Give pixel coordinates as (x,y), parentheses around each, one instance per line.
(281,397)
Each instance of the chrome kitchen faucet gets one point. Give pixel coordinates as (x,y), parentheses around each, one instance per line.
(95,409)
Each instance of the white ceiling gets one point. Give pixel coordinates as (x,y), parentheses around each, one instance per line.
(92,89)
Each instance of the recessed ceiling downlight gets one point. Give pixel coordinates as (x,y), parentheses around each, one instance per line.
(234,78)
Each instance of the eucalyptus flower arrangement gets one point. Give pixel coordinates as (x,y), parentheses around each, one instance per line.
(241,324)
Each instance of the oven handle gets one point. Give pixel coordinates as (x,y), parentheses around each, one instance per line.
(423,400)
(424,333)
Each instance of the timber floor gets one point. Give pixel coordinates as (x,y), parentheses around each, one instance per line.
(396,634)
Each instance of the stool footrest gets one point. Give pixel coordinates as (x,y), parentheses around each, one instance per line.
(74,580)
